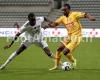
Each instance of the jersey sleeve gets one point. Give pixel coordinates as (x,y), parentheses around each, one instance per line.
(59,20)
(79,15)
(23,28)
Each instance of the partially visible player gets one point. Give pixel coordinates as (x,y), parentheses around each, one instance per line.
(33,35)
(70,20)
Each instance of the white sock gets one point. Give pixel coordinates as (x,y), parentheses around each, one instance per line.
(11,57)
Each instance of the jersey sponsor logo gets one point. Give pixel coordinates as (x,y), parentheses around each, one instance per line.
(69,25)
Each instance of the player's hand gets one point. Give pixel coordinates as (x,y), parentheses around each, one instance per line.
(92,19)
(7,46)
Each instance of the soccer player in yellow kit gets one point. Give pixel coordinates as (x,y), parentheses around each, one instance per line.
(70,20)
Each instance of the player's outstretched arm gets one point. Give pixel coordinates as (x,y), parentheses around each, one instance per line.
(51,25)
(9,45)
(47,20)
(56,23)
(90,17)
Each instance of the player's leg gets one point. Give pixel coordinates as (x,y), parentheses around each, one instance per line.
(69,48)
(70,57)
(13,55)
(58,53)
(45,48)
(58,56)
(48,52)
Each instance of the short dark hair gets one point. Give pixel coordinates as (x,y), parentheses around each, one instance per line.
(31,15)
(67,6)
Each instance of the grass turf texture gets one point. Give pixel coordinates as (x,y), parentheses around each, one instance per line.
(33,64)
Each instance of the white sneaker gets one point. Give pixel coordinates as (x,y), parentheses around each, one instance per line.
(2,67)
(74,64)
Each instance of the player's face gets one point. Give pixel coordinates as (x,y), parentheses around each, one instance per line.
(65,10)
(32,21)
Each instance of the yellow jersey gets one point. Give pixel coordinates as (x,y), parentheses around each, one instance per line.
(72,23)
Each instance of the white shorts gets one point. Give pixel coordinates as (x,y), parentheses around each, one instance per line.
(38,41)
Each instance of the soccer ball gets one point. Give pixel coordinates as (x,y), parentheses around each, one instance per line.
(66,66)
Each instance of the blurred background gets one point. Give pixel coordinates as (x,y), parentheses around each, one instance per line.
(12,11)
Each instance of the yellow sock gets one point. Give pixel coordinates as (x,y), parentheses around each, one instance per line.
(70,57)
(58,57)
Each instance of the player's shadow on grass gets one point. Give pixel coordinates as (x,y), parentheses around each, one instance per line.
(41,71)
(28,71)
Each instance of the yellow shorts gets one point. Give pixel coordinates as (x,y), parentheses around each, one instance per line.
(72,42)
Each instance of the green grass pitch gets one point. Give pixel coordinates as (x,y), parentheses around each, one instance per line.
(33,64)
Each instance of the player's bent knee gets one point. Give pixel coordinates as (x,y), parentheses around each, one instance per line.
(66,51)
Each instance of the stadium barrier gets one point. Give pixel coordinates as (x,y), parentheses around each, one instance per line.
(51,32)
